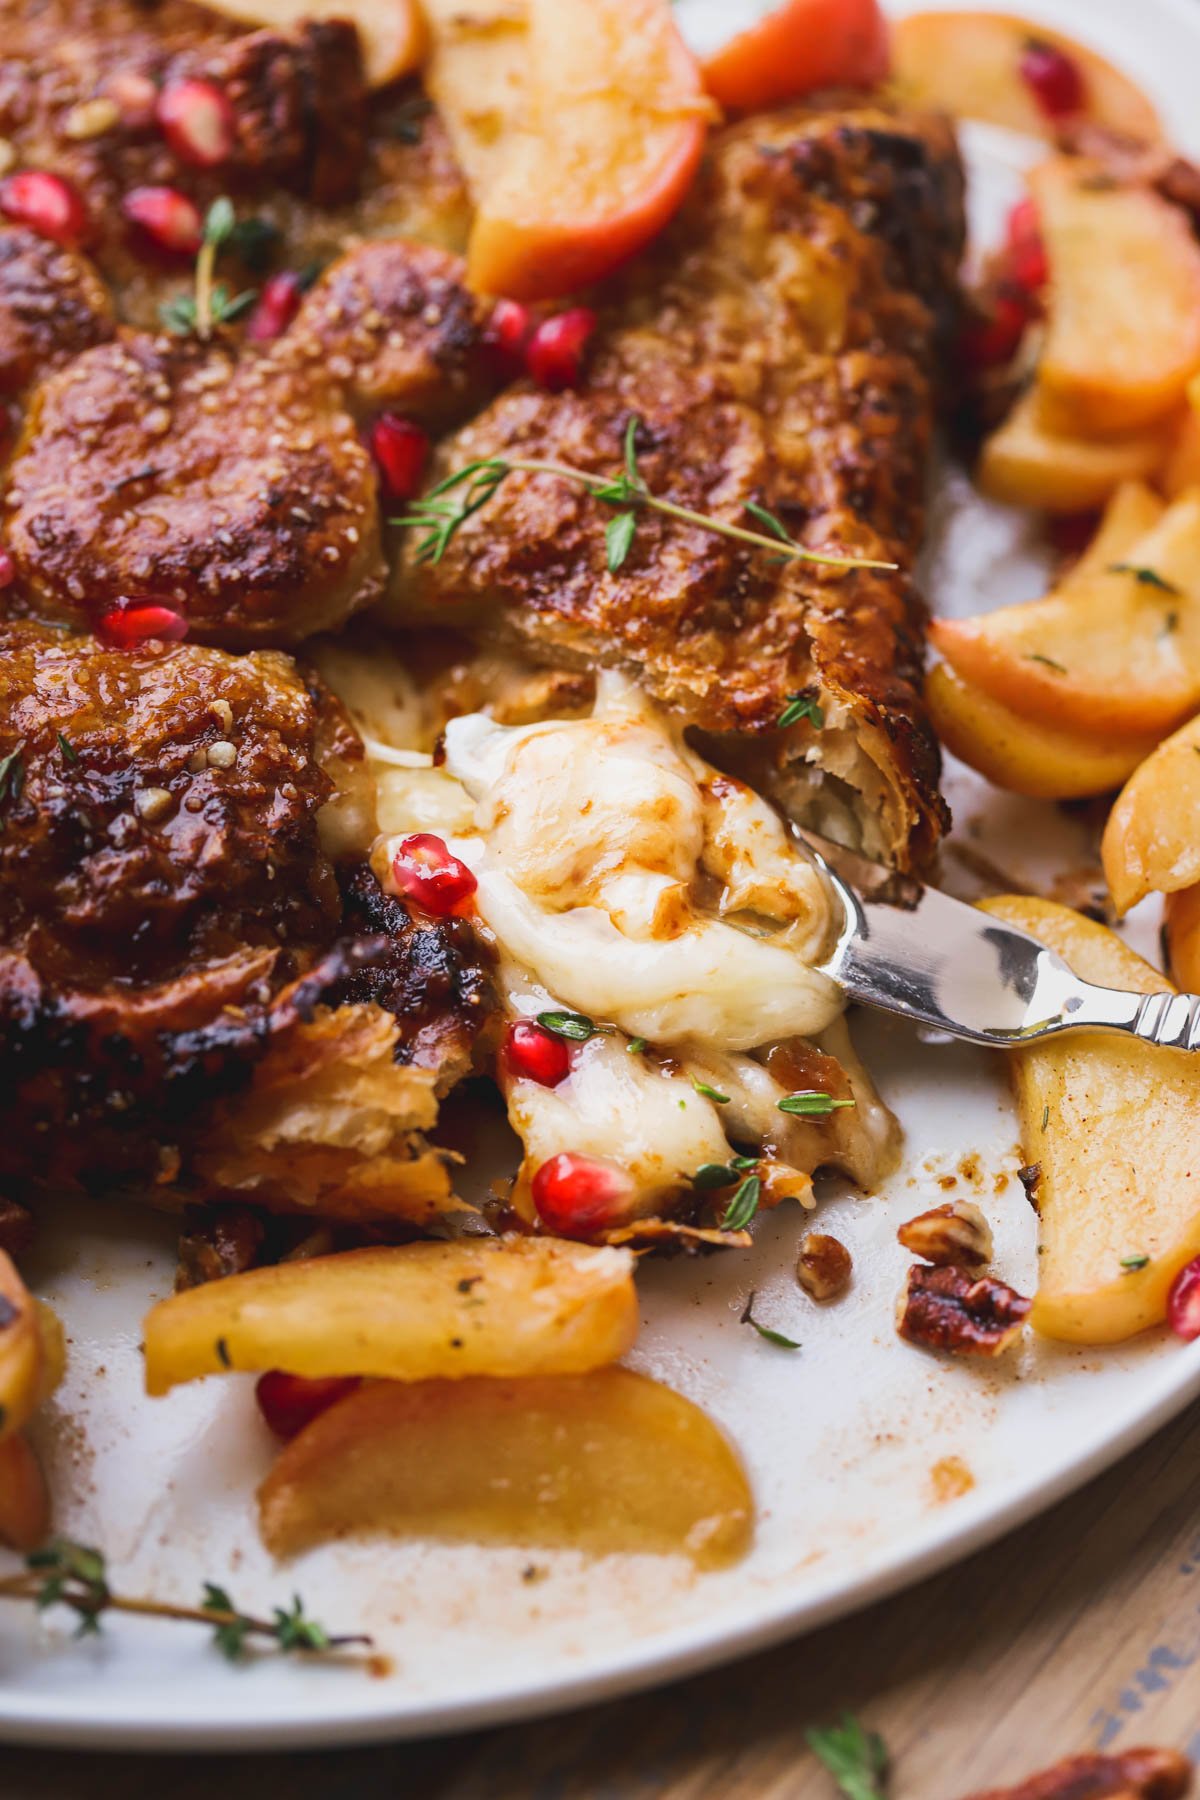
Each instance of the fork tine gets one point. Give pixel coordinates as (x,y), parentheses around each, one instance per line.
(1170,1020)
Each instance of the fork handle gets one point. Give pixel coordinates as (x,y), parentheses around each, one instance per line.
(1169,1020)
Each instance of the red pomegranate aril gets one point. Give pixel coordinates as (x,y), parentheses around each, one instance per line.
(277,306)
(198,123)
(401,450)
(424,870)
(128,626)
(46,203)
(168,218)
(577,1196)
(992,342)
(8,568)
(1183,1302)
(536,1054)
(1053,78)
(290,1402)
(1026,251)
(135,97)
(555,352)
(510,328)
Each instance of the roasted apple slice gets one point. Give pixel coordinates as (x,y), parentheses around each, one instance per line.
(392,32)
(978,66)
(1119,652)
(1028,462)
(1022,755)
(1123,331)
(1112,1127)
(22,1358)
(796,48)
(1151,844)
(609,1461)
(1182,468)
(578,123)
(499,1306)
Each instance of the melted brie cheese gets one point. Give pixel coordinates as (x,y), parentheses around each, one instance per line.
(591,836)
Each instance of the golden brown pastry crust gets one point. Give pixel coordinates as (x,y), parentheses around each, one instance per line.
(778,347)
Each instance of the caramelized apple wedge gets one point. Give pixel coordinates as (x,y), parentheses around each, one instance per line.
(392,32)
(23,1360)
(797,47)
(1029,461)
(579,125)
(1151,844)
(483,1306)
(1123,330)
(1118,652)
(1113,1129)
(1023,755)
(605,1462)
(1182,468)
(969,64)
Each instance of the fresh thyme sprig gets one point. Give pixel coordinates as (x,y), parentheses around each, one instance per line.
(75,1576)
(441,513)
(856,1758)
(210,303)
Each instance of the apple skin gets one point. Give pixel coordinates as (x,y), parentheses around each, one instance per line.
(801,46)
(1119,1152)
(1021,755)
(1181,933)
(392,32)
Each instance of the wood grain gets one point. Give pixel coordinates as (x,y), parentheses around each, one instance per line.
(1080,1631)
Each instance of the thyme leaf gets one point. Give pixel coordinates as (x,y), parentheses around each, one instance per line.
(802,706)
(1145,577)
(618,539)
(743,1206)
(73,1575)
(575,1026)
(856,1758)
(764,1331)
(811,1103)
(439,519)
(710,1093)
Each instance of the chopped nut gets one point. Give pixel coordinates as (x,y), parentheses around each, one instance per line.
(823,1267)
(223,713)
(152,804)
(222,754)
(91,119)
(16,1228)
(1029,1177)
(952,1236)
(198,761)
(943,1309)
(1135,1775)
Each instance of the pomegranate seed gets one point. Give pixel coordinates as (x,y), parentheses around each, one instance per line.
(8,568)
(576,1196)
(1183,1302)
(197,121)
(1026,253)
(168,218)
(128,626)
(510,328)
(424,870)
(277,306)
(290,1402)
(1053,78)
(46,203)
(537,1054)
(554,353)
(991,342)
(400,449)
(1071,533)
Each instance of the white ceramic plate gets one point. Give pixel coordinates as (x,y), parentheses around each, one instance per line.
(840,1439)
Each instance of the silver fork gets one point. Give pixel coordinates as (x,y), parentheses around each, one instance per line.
(909,949)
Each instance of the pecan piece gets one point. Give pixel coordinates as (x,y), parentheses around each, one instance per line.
(16,1228)
(1136,1775)
(952,1236)
(943,1309)
(823,1267)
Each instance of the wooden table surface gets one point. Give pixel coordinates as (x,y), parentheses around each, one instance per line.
(1081,1630)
